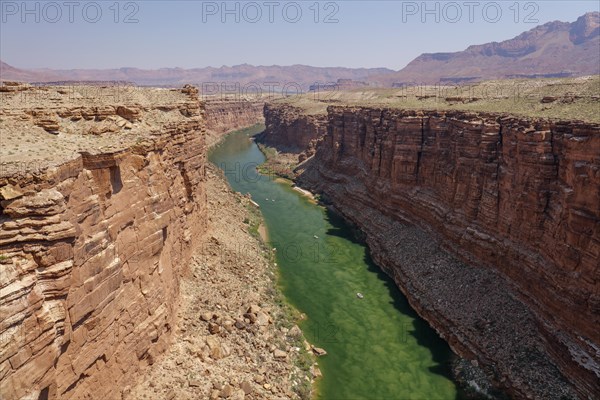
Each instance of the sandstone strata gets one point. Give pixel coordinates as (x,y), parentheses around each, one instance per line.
(290,130)
(94,235)
(515,204)
(226,115)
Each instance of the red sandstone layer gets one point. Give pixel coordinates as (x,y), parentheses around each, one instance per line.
(92,249)
(224,116)
(289,130)
(518,199)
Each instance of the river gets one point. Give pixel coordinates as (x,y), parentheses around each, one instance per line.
(378,348)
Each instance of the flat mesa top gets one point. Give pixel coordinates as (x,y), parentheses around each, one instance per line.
(42,126)
(556,98)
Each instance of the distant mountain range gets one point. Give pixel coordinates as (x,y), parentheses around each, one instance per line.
(551,50)
(266,76)
(555,49)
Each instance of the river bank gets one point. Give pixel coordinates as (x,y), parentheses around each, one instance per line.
(323,269)
(472,381)
(441,199)
(235,337)
(277,163)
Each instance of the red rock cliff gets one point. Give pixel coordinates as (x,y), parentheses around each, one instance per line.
(92,249)
(516,200)
(288,129)
(223,116)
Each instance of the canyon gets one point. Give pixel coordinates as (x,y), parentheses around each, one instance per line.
(299,232)
(489,224)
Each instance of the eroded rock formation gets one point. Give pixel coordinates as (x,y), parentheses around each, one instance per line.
(223,116)
(92,247)
(290,130)
(515,204)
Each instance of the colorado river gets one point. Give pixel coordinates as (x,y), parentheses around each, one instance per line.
(378,348)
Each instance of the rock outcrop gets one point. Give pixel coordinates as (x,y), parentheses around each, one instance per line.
(289,129)
(92,248)
(515,205)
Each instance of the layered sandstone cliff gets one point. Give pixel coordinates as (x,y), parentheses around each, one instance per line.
(288,129)
(515,204)
(226,115)
(95,233)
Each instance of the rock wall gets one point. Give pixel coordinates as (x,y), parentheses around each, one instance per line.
(289,129)
(223,116)
(515,204)
(91,255)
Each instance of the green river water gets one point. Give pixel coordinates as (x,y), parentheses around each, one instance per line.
(378,348)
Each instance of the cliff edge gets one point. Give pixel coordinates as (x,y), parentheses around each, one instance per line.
(102,202)
(490,225)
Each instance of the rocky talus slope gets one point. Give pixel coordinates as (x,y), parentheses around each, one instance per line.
(232,338)
(95,232)
(489,224)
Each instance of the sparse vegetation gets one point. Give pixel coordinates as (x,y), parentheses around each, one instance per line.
(556,98)
(277,164)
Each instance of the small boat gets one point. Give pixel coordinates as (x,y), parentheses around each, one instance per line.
(360,295)
(267,199)
(316,237)
(273,200)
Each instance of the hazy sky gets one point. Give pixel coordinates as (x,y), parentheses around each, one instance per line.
(154,34)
